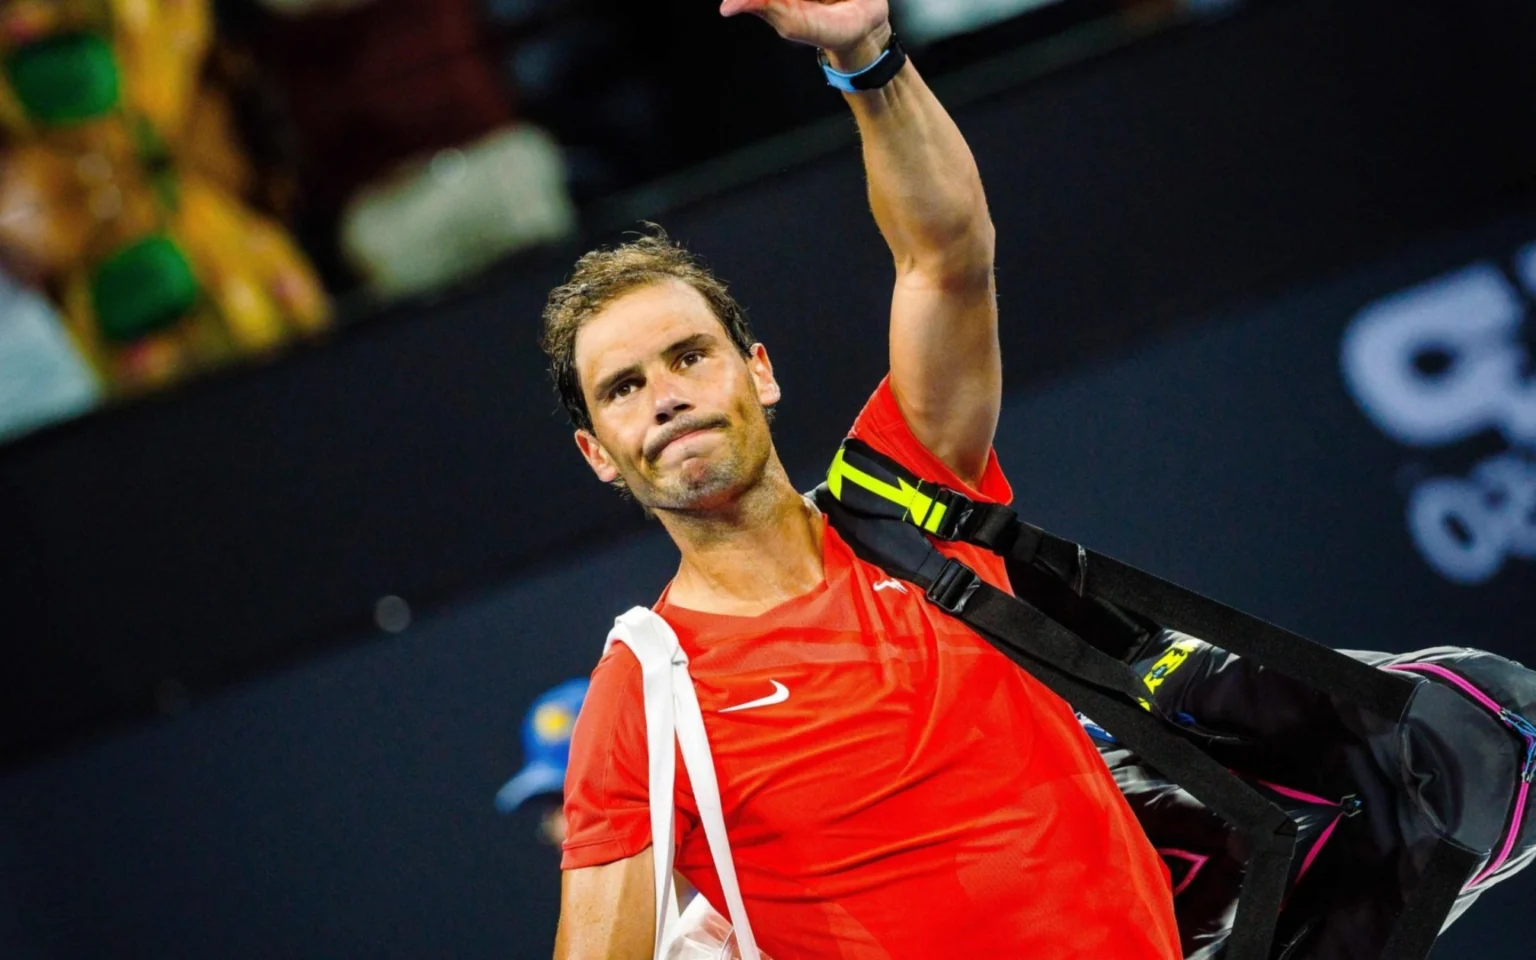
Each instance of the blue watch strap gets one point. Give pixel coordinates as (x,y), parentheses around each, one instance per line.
(873,77)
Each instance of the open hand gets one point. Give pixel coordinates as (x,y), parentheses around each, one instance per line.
(834,25)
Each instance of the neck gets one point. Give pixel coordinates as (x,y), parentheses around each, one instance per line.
(744,559)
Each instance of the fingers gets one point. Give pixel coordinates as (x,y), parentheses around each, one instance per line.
(730,8)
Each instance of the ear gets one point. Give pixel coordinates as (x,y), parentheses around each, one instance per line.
(596,456)
(768,392)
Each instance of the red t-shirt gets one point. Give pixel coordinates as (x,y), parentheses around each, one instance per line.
(916,796)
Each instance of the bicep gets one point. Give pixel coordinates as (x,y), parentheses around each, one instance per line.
(946,364)
(608,911)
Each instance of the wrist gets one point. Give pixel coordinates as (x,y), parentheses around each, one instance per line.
(863,53)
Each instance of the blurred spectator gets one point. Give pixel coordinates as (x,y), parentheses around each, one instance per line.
(435,221)
(546,751)
(410,138)
(120,187)
(374,83)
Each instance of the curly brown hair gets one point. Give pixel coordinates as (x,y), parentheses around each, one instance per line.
(603,276)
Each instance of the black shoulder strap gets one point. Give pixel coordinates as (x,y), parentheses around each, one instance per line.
(872,484)
(1102,687)
(887,515)
(1431,900)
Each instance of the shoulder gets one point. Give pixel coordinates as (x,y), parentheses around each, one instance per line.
(606,778)
(881,425)
(608,746)
(616,694)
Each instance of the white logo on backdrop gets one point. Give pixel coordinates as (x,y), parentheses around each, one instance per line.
(1443,363)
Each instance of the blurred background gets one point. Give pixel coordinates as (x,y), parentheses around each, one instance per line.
(296,559)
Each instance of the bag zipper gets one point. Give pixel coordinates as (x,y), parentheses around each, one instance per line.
(1514,721)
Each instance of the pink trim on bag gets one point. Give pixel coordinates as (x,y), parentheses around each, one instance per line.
(1461,683)
(1509,841)
(1196,862)
(1304,797)
(1317,848)
(1297,794)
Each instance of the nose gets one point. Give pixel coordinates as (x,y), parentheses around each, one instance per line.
(669,404)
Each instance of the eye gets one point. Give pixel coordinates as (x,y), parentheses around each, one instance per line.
(690,358)
(622,390)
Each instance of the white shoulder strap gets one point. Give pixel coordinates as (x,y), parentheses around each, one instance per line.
(672,709)
(660,722)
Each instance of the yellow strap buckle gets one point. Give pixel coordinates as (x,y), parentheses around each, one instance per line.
(920,509)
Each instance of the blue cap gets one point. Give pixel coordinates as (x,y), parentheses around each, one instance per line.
(546,745)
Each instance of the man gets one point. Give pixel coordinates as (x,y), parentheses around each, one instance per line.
(546,755)
(892,786)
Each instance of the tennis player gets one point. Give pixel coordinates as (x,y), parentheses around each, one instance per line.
(892,786)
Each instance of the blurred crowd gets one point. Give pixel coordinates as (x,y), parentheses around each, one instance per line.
(188,182)
(181,182)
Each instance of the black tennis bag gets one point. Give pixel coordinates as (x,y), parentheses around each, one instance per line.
(1309,803)
(1369,803)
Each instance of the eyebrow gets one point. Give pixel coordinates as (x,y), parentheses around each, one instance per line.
(694,342)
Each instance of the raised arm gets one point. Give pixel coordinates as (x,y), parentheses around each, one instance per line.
(946,368)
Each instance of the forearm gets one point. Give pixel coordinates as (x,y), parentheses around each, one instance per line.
(946,364)
(924,187)
(608,911)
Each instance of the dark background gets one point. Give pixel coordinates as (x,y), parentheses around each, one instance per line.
(212,751)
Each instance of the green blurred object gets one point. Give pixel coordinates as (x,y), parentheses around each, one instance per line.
(65,79)
(141,288)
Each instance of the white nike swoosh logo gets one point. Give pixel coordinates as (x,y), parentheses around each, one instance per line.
(779,695)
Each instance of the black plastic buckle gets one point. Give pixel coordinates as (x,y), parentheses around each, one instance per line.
(957,511)
(953,587)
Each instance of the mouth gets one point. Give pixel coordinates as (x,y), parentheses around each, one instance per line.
(682,432)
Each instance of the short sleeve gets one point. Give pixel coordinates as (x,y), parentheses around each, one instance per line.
(882,426)
(607,801)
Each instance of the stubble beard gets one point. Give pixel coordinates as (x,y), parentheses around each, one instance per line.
(703,485)
(706,485)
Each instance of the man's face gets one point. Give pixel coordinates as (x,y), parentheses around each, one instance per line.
(677,412)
